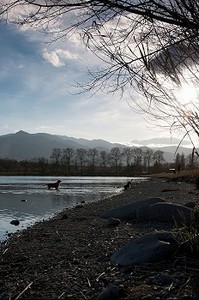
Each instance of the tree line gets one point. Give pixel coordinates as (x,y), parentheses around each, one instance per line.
(128,161)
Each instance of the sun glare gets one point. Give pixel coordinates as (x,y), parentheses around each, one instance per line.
(188,94)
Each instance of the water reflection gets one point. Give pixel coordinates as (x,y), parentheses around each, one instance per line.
(27,198)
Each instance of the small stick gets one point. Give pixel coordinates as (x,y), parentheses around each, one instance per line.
(186,282)
(83,295)
(89,283)
(61,295)
(27,287)
(170,286)
(97,279)
(5,251)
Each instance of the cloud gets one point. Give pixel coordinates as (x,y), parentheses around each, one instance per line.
(59,57)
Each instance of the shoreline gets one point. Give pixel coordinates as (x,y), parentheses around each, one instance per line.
(28,200)
(68,256)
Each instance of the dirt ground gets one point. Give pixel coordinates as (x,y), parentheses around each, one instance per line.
(68,256)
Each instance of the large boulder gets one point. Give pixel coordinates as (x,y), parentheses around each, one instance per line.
(149,248)
(128,212)
(164,212)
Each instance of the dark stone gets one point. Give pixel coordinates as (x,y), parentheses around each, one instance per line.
(64,217)
(149,248)
(79,206)
(15,222)
(112,222)
(110,293)
(164,212)
(129,212)
(163,279)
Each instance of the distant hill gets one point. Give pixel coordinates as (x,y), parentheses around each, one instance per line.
(167,145)
(169,152)
(161,142)
(26,146)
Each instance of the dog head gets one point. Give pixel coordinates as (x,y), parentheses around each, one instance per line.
(58,181)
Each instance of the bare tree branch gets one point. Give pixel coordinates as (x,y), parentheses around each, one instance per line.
(150,46)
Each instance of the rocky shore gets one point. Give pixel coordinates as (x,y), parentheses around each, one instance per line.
(68,256)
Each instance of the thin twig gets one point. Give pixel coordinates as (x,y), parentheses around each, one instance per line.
(27,287)
(89,283)
(186,282)
(83,295)
(170,286)
(61,295)
(5,251)
(97,279)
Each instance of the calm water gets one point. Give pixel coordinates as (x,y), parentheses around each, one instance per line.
(27,199)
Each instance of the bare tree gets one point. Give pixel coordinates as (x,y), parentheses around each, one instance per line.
(56,157)
(115,157)
(67,156)
(177,162)
(81,157)
(150,46)
(182,161)
(137,156)
(148,158)
(92,154)
(104,159)
(127,153)
(158,157)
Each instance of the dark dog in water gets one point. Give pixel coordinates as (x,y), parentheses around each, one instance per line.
(127,186)
(53,185)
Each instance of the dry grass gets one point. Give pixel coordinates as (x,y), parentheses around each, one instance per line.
(187,234)
(191,176)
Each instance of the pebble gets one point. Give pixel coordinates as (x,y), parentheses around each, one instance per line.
(15,222)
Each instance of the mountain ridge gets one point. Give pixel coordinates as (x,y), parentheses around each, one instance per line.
(27,146)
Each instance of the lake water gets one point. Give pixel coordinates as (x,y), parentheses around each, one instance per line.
(27,198)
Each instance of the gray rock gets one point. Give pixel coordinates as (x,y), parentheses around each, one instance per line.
(112,222)
(149,248)
(15,222)
(110,293)
(163,279)
(164,212)
(129,212)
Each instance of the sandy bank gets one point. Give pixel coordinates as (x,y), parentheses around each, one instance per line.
(67,257)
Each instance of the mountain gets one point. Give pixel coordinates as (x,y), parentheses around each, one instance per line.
(167,145)
(160,142)
(26,146)
(170,152)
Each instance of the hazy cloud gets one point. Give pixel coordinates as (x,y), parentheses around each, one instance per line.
(58,57)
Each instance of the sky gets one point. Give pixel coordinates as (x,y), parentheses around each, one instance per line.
(37,94)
